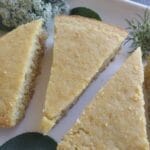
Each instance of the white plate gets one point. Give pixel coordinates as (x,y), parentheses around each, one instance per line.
(113,12)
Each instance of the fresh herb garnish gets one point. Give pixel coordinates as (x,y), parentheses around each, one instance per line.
(139,32)
(85,12)
(30,141)
(16,12)
(2,27)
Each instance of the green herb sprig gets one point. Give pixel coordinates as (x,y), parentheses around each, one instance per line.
(139,32)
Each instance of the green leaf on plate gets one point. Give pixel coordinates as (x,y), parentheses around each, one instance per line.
(30,141)
(85,12)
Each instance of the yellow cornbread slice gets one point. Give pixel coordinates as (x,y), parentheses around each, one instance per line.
(147,92)
(115,119)
(20,52)
(82,48)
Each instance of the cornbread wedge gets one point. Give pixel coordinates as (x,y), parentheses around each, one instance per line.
(115,119)
(147,92)
(20,52)
(82,48)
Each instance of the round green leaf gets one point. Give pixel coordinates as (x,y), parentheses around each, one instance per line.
(85,12)
(30,141)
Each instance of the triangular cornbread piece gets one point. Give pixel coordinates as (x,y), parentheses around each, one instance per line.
(115,119)
(82,48)
(20,52)
(147,92)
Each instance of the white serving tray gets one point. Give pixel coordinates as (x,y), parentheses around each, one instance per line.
(113,12)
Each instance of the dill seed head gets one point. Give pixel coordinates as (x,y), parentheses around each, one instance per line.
(139,32)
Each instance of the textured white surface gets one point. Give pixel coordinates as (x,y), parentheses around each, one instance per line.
(145,2)
(113,12)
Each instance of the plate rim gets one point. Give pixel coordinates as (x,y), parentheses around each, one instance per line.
(136,4)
